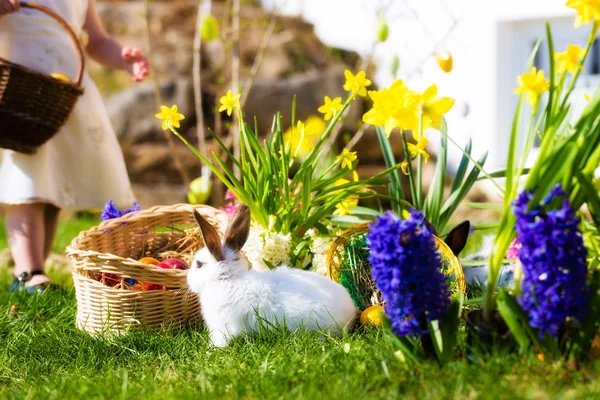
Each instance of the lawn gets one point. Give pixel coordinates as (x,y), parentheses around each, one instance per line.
(45,356)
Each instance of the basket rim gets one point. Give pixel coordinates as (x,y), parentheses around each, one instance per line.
(73,251)
(363,227)
(79,90)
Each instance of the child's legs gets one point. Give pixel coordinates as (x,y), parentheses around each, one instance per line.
(50,225)
(25,232)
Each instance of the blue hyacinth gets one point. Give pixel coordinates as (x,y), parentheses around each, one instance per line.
(553,257)
(111,211)
(406,269)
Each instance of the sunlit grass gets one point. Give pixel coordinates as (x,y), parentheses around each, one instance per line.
(44,356)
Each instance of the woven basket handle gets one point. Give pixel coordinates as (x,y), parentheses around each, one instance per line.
(66,26)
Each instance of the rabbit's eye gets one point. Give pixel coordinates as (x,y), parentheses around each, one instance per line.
(199,264)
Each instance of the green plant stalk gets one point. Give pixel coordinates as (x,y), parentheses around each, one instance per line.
(413,188)
(419,180)
(505,236)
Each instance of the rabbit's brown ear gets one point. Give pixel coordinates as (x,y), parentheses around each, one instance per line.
(457,238)
(212,241)
(238,229)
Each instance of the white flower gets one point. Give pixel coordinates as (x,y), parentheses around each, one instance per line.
(273,247)
(319,248)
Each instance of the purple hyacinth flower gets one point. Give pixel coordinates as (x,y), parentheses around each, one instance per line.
(406,270)
(554,263)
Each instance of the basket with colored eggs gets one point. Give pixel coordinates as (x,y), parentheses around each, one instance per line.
(131,271)
(348,264)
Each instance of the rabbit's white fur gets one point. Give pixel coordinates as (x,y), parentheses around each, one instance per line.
(235,298)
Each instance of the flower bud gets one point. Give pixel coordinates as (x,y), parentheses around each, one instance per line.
(383,31)
(210,29)
(444,60)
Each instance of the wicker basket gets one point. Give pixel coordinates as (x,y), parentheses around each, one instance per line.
(33,106)
(450,265)
(114,246)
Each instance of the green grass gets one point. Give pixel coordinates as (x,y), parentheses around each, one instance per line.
(44,356)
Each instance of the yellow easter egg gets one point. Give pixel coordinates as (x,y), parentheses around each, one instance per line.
(444,60)
(372,315)
(60,77)
(149,260)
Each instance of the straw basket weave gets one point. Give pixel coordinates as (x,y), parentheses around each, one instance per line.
(113,248)
(450,264)
(33,106)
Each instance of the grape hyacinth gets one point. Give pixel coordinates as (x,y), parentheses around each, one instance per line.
(111,211)
(406,269)
(553,257)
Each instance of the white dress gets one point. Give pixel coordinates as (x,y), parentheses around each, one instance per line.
(82,166)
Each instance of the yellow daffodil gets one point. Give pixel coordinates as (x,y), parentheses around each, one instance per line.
(331,107)
(346,158)
(433,107)
(587,11)
(170,117)
(570,60)
(404,167)
(419,148)
(394,107)
(229,102)
(302,139)
(344,206)
(533,85)
(356,83)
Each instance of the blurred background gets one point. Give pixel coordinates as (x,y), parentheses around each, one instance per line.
(301,47)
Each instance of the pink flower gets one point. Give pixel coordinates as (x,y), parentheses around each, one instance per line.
(513,251)
(229,195)
(230,208)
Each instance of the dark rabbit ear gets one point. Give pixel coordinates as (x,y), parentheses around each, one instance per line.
(212,241)
(457,238)
(238,229)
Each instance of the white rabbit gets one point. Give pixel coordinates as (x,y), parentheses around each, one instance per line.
(235,299)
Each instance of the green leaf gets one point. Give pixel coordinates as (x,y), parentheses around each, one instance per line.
(485,206)
(433,201)
(457,197)
(395,187)
(517,320)
(436,338)
(501,174)
(462,168)
(449,326)
(593,201)
(306,190)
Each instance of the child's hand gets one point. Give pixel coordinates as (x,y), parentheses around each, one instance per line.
(136,64)
(8,6)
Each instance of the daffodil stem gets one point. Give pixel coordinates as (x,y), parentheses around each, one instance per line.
(413,189)
(419,184)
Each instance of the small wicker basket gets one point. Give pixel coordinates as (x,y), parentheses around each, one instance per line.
(450,265)
(113,248)
(33,106)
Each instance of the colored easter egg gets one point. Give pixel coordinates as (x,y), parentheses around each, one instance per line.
(60,77)
(173,263)
(110,279)
(149,260)
(372,315)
